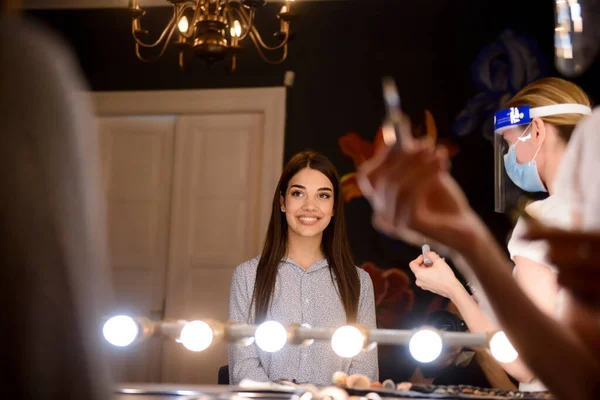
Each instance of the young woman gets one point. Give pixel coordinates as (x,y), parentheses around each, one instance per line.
(412,191)
(304,275)
(535,150)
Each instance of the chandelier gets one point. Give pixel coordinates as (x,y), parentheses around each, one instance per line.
(211,30)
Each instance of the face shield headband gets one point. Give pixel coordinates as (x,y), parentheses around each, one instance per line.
(523,115)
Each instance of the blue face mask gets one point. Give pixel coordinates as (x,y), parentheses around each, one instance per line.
(525,176)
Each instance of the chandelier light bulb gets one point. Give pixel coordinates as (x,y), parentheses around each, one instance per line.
(425,345)
(501,348)
(347,341)
(183,24)
(270,336)
(196,336)
(236,29)
(120,330)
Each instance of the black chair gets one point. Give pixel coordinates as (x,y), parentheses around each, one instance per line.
(223,378)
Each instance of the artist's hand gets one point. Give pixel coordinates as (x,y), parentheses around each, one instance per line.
(576,256)
(411,191)
(438,278)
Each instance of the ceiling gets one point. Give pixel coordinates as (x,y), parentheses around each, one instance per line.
(72,4)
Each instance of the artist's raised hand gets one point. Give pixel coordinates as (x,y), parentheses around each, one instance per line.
(413,195)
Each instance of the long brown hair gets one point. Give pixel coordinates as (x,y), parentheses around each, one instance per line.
(334,244)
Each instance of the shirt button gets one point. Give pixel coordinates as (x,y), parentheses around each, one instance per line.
(307,300)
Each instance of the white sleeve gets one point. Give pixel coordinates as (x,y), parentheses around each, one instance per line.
(532,250)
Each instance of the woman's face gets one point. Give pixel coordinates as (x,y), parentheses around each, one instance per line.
(308,203)
(526,146)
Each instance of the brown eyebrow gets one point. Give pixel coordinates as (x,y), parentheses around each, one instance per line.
(320,189)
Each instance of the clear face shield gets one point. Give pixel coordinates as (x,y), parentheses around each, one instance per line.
(515,168)
(509,125)
(576,35)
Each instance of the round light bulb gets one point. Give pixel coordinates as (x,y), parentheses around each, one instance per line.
(120,330)
(501,348)
(196,336)
(183,24)
(284,9)
(270,336)
(347,341)
(425,345)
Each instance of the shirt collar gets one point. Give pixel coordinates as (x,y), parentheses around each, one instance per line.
(319,264)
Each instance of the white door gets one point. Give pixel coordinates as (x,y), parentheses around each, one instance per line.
(137,159)
(214,227)
(189,177)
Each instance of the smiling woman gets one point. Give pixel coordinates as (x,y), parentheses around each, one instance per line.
(304,275)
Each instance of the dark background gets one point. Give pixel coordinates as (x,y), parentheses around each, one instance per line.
(339,55)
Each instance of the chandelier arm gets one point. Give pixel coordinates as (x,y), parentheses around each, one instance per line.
(245,18)
(252,16)
(228,14)
(169,26)
(233,62)
(196,16)
(264,57)
(182,9)
(256,34)
(162,51)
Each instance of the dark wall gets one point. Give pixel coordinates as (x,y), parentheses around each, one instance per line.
(341,50)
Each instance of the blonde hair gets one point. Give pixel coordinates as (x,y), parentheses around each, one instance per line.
(549,91)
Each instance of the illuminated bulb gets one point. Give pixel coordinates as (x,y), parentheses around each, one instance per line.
(283,10)
(501,348)
(425,346)
(183,24)
(196,336)
(121,330)
(236,29)
(270,336)
(347,341)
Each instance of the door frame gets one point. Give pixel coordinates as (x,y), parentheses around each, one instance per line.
(267,101)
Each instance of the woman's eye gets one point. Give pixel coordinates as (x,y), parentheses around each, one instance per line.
(296,193)
(325,195)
